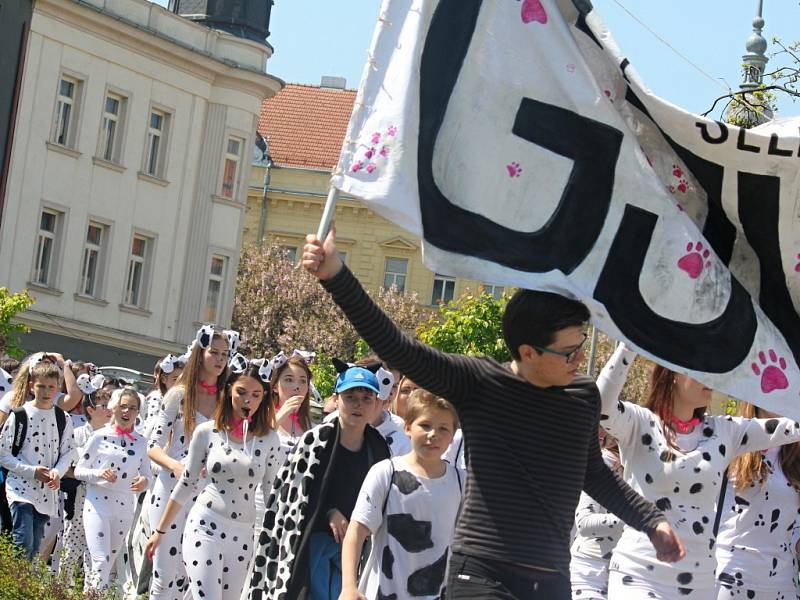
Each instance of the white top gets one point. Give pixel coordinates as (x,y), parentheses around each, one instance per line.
(455,453)
(392,430)
(105,449)
(758,533)
(40,448)
(234,470)
(82,435)
(684,484)
(146,420)
(411,540)
(168,431)
(597,530)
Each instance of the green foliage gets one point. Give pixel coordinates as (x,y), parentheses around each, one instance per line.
(10,305)
(747,109)
(470,325)
(324,375)
(23,580)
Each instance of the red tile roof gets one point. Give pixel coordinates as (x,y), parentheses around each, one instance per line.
(306,125)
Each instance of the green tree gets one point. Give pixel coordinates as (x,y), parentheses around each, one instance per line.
(470,325)
(10,306)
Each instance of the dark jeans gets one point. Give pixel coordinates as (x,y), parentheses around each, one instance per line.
(28,527)
(474,578)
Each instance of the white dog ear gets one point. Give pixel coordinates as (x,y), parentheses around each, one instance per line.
(5,382)
(233,340)
(204,336)
(385,383)
(237,364)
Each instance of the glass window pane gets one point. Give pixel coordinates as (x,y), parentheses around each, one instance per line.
(396,265)
(94,235)
(437,291)
(43,253)
(388,280)
(134,282)
(63,123)
(66,88)
(228,178)
(212,298)
(217,264)
(233,147)
(400,282)
(138,247)
(48,222)
(152,163)
(449,290)
(112,105)
(90,271)
(156,120)
(291,253)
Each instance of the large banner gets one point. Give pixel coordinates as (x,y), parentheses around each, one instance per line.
(518,142)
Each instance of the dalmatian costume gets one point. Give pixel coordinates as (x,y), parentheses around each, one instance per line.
(76,552)
(108,509)
(280,566)
(757,536)
(218,538)
(684,484)
(411,519)
(168,580)
(597,534)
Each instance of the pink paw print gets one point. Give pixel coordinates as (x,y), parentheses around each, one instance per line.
(384,151)
(677,171)
(370,167)
(376,137)
(369,153)
(683,186)
(392,131)
(695,261)
(608,95)
(772,375)
(514,169)
(532,10)
(357,166)
(570,68)
(797,266)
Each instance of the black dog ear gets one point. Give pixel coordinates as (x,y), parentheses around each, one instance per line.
(339,365)
(373,366)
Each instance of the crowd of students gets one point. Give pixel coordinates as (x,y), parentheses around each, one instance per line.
(418,483)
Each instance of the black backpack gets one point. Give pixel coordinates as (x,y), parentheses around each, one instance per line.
(21,430)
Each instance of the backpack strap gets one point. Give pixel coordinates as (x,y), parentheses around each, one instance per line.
(389,489)
(20,429)
(61,424)
(721,502)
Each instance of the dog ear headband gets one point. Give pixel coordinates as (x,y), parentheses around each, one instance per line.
(206,333)
(90,384)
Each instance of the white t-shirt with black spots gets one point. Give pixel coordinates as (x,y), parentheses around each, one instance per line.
(105,449)
(234,470)
(684,484)
(411,541)
(40,448)
(758,532)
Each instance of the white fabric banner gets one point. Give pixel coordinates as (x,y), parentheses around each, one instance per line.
(517,141)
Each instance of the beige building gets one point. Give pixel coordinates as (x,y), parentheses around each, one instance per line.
(304,127)
(129,176)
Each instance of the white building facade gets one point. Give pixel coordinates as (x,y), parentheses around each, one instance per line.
(128,178)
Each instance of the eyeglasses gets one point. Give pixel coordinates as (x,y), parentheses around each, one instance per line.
(571,356)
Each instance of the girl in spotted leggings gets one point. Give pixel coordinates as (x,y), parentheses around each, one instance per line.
(239,450)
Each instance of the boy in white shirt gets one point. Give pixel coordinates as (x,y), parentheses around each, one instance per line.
(44,452)
(409,505)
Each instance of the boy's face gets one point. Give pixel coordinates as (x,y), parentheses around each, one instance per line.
(553,368)
(44,390)
(357,406)
(431,432)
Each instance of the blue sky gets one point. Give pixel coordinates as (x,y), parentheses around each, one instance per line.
(330,37)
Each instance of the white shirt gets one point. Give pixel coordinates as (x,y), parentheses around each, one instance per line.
(455,452)
(392,428)
(40,448)
(107,450)
(411,540)
(758,532)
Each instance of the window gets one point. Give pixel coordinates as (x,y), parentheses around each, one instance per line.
(110,132)
(230,169)
(157,130)
(46,242)
(394,273)
(343,256)
(65,121)
(91,267)
(444,288)
(216,283)
(495,291)
(136,279)
(290,253)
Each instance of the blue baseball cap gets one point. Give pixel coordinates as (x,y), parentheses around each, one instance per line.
(357,377)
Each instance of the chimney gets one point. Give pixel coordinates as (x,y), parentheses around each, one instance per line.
(335,83)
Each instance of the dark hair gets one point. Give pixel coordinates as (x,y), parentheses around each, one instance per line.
(533,318)
(661,401)
(262,418)
(9,365)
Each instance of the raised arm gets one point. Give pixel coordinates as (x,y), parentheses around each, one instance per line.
(759,434)
(621,419)
(447,375)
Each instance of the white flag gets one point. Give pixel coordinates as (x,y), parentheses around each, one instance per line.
(518,142)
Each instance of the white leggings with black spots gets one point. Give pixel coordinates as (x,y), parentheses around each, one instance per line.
(168,581)
(217,552)
(75,551)
(107,517)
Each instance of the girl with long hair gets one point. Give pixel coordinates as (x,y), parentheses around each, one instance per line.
(597,532)
(290,385)
(193,400)
(240,450)
(165,376)
(675,456)
(758,533)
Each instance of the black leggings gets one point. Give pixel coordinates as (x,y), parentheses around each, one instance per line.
(474,578)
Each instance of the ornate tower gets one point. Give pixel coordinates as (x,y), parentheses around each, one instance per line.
(248,19)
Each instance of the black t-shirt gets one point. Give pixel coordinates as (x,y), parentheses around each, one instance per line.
(348,473)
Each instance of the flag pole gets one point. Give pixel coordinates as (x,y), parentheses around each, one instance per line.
(327,214)
(592,352)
